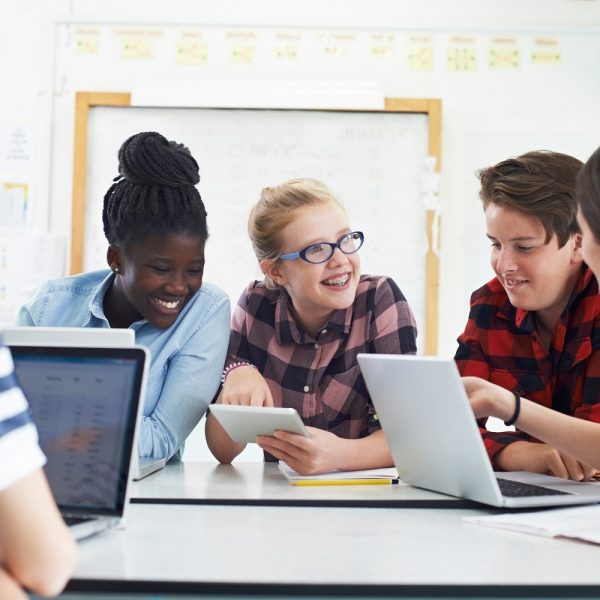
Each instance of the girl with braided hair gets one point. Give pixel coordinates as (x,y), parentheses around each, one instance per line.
(155,223)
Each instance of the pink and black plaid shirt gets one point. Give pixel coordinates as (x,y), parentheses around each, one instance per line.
(320,376)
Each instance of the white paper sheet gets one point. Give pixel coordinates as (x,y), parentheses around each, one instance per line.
(582,522)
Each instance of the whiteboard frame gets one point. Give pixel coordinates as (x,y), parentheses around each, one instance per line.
(431,107)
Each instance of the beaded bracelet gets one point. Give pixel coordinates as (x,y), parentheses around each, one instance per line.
(233,366)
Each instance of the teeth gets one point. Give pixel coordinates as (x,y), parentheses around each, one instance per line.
(165,303)
(338,280)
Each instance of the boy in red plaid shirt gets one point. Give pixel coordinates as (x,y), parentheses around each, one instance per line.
(535,328)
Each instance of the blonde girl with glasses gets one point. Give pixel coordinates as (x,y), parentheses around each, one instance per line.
(296,334)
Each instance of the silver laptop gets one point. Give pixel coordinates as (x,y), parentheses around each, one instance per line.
(435,441)
(68,336)
(79,337)
(146,465)
(86,404)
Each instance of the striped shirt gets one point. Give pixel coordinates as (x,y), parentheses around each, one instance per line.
(500,344)
(319,376)
(20,453)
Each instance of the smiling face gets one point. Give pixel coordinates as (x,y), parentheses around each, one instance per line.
(156,279)
(316,290)
(536,276)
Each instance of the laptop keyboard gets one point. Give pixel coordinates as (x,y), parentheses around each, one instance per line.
(516,489)
(76,520)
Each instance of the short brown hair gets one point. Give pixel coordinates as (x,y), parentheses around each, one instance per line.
(588,193)
(276,209)
(541,184)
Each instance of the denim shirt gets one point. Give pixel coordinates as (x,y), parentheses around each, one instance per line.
(187,358)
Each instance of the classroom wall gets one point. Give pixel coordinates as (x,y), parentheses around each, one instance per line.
(488,113)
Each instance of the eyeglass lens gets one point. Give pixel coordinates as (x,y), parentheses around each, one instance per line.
(321,252)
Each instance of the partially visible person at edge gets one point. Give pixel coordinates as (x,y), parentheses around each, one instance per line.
(155,224)
(37,551)
(295,336)
(534,330)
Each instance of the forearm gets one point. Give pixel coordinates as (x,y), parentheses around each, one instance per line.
(38,550)
(9,588)
(579,438)
(223,448)
(190,384)
(371,452)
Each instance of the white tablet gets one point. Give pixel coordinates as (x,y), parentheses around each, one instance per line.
(244,423)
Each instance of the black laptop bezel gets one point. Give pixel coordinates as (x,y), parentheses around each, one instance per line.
(118,353)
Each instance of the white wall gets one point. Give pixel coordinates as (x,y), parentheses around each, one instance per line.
(487,114)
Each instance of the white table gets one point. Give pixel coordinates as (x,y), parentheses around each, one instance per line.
(263,484)
(287,550)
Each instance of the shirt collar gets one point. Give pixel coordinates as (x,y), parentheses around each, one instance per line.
(288,331)
(96,305)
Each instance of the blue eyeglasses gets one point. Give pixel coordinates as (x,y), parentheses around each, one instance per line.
(323,251)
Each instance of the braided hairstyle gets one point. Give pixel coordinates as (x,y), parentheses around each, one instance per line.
(154,194)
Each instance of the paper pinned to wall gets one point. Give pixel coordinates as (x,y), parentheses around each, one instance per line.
(14,202)
(16,148)
(27,260)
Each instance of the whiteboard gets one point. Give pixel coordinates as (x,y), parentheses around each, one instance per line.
(373,162)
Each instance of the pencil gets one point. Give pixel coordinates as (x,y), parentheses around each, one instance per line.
(302,482)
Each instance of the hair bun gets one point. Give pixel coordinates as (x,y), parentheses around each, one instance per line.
(148,158)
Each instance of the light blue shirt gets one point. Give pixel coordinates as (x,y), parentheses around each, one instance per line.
(187,358)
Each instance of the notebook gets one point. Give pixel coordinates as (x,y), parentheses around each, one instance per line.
(79,337)
(383,476)
(436,444)
(86,403)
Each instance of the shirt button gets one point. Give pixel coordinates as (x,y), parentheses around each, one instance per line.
(306,389)
(317,346)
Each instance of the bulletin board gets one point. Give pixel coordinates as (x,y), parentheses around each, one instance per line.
(381,164)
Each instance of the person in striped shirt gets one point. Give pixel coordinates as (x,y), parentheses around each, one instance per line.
(36,549)
(295,336)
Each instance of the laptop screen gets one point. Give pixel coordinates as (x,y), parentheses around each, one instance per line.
(84,403)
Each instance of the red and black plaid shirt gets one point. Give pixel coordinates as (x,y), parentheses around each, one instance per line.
(500,344)
(320,376)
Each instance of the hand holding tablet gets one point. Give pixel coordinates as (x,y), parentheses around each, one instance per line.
(244,423)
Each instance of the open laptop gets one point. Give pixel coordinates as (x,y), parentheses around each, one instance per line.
(435,441)
(79,337)
(68,336)
(86,404)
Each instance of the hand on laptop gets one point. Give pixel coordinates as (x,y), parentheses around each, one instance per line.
(542,458)
(317,453)
(488,399)
(246,386)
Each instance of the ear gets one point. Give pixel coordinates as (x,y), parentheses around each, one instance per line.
(576,255)
(113,258)
(272,269)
